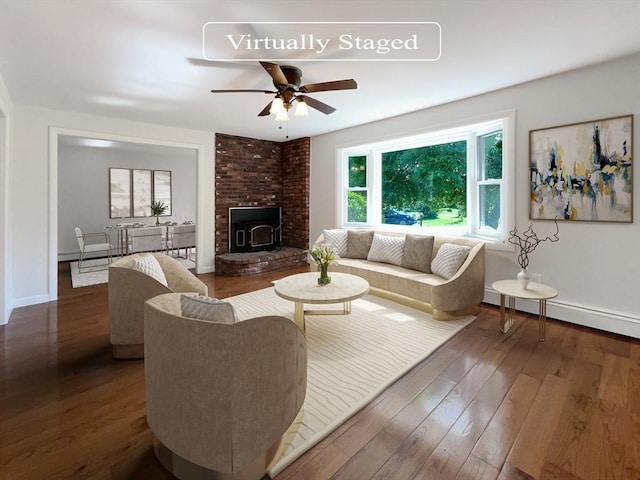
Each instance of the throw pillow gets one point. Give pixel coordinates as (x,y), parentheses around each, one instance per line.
(337,238)
(449,259)
(386,249)
(147,264)
(207,308)
(418,250)
(358,243)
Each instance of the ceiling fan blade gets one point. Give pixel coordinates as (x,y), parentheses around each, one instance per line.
(276,73)
(243,91)
(266,110)
(325,86)
(318,105)
(228,64)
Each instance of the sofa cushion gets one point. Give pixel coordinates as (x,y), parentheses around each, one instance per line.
(449,259)
(359,243)
(207,308)
(386,249)
(337,238)
(417,253)
(147,264)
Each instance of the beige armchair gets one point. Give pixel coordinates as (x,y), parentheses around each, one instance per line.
(130,288)
(220,396)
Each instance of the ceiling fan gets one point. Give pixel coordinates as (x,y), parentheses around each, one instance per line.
(286,80)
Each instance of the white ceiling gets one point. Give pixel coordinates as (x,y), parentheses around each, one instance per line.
(138,60)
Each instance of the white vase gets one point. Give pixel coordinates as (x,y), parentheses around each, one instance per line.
(523,278)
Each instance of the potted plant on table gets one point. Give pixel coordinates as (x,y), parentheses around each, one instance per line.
(157,209)
(323,256)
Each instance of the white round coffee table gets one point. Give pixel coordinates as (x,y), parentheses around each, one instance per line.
(303,288)
(534,291)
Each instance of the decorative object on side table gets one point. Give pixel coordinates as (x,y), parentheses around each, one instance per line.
(157,209)
(323,256)
(527,243)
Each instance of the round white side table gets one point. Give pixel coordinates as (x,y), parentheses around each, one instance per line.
(534,291)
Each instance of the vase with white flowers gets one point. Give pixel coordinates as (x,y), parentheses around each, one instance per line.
(527,243)
(323,256)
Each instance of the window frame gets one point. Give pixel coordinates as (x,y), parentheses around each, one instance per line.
(479,164)
(345,188)
(471,131)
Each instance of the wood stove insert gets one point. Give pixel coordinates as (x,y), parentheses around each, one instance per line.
(254,229)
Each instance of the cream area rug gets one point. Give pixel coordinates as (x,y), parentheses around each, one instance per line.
(351,358)
(95,272)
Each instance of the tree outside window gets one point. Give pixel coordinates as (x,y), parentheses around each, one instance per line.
(426,180)
(357,189)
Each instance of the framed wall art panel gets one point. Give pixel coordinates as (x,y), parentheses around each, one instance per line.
(162,189)
(120,192)
(582,171)
(142,193)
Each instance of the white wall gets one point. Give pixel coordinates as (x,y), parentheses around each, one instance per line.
(33,209)
(594,266)
(6,119)
(83,187)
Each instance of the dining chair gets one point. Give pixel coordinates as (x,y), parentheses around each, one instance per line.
(87,244)
(182,236)
(145,239)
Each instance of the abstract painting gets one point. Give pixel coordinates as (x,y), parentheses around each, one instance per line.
(583,171)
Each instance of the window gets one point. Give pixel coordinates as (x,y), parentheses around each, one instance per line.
(425,184)
(450,180)
(489,179)
(357,193)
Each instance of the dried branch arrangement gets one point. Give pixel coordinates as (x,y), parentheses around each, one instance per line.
(528,241)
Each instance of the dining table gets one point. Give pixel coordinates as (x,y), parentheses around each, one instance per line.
(123,229)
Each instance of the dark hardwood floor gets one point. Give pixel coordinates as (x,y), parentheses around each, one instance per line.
(484,406)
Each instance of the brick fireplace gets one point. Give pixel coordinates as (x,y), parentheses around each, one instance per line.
(262,173)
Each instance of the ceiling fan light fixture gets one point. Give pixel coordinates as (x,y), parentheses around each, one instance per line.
(282,116)
(277,106)
(286,80)
(301,109)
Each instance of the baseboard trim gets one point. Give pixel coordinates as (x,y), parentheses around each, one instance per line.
(6,315)
(74,257)
(614,322)
(26,301)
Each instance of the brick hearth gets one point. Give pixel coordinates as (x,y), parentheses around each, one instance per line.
(251,263)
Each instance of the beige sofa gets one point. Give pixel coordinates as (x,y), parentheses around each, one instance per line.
(444,298)
(220,396)
(130,288)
